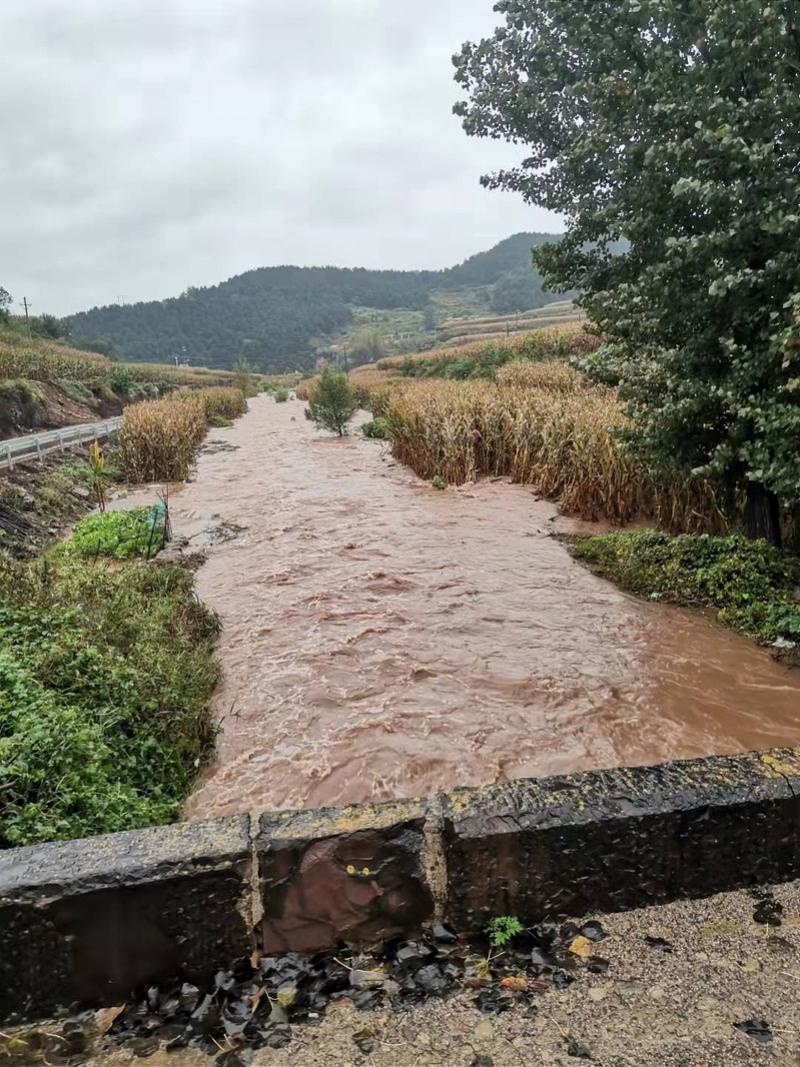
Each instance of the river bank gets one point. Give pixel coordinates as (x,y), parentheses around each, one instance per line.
(381,638)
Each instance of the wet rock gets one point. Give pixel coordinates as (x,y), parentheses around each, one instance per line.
(658,944)
(593,931)
(597,965)
(768,911)
(493,1001)
(757,1029)
(443,934)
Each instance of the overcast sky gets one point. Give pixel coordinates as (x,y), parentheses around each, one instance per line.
(149,145)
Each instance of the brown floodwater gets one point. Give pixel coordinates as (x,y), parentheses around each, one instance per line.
(384,639)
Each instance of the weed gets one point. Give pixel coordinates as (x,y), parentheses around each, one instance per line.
(377,428)
(121,534)
(97,465)
(503,929)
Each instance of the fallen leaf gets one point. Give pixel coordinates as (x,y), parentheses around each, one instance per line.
(105,1018)
(581,946)
(518,983)
(256,999)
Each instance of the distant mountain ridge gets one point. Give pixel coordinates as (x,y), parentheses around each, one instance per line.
(279,317)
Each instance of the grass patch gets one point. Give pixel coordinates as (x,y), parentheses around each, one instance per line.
(105,678)
(76,391)
(753,586)
(139,532)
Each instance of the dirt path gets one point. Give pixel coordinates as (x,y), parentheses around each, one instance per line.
(382,638)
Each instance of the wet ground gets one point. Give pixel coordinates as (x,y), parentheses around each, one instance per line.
(658,1005)
(382,638)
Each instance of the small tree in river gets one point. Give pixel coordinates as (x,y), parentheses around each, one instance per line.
(243,378)
(333,402)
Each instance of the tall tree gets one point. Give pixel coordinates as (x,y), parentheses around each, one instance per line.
(674,124)
(5,304)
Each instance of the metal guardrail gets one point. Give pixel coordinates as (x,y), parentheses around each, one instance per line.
(36,445)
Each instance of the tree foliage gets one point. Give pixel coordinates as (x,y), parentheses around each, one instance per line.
(333,402)
(367,346)
(5,304)
(673,124)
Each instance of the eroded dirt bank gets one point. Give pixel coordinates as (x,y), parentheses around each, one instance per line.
(382,638)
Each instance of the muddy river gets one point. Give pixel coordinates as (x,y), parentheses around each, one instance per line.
(384,639)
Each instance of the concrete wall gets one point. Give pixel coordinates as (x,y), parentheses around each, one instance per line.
(91,920)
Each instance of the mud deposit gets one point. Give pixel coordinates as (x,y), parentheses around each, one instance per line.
(383,639)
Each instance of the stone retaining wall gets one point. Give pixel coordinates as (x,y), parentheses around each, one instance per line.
(89,921)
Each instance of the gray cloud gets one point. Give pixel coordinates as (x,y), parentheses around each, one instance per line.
(148,146)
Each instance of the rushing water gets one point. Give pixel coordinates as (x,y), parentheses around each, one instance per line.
(382,638)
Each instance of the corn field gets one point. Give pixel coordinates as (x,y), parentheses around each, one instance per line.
(548,343)
(224,401)
(560,439)
(158,438)
(45,361)
(553,377)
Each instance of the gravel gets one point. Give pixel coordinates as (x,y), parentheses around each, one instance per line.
(690,984)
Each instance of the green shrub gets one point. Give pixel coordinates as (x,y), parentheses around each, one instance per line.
(752,584)
(281,395)
(333,402)
(105,679)
(123,382)
(377,428)
(121,534)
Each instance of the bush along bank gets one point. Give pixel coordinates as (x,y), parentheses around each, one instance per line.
(753,587)
(106,672)
(106,660)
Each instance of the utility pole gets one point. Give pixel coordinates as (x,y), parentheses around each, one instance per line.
(27,320)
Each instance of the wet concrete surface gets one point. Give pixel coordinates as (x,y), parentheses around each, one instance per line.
(652,1008)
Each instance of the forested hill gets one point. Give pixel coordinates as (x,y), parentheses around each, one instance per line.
(281,318)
